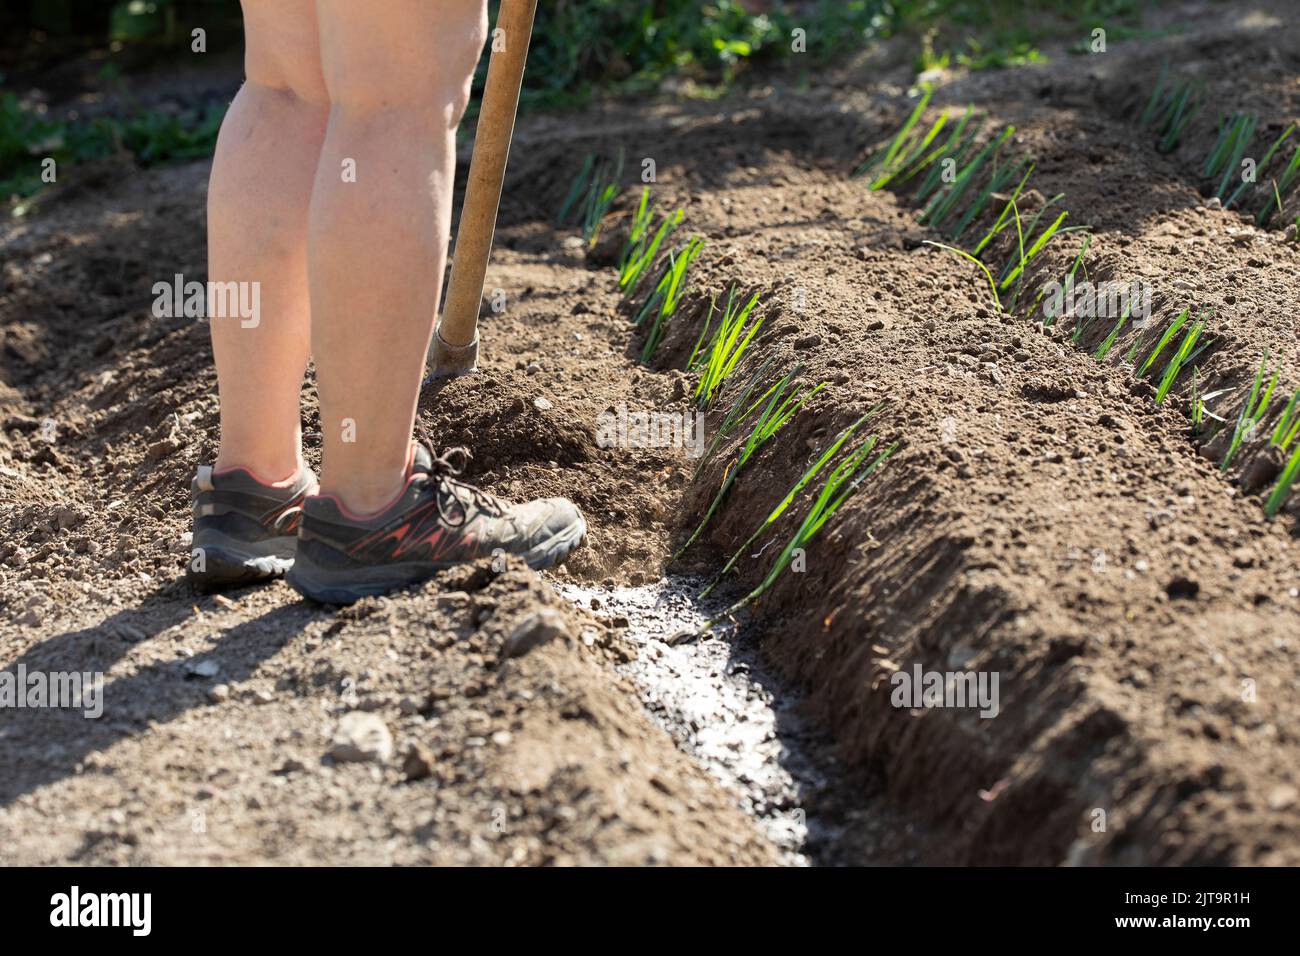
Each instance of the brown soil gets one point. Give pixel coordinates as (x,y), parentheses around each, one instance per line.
(1043,519)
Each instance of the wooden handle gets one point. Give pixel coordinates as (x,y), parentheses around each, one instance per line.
(487,170)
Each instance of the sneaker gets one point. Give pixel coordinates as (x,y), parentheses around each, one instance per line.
(435,523)
(244,530)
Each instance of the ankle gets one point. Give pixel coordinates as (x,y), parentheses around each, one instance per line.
(366,496)
(269,470)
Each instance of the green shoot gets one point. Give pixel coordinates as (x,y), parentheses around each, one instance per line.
(1027,257)
(1281,186)
(1069,276)
(1288,425)
(1263,165)
(638,259)
(1181,359)
(1252,413)
(842,482)
(727,347)
(1164,340)
(1104,349)
(997,303)
(959,145)
(1283,486)
(945,203)
(896,156)
(1234,139)
(667,295)
(784,402)
(591,195)
(1002,221)
(830,452)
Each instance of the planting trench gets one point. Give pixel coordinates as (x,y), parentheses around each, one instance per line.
(1043,519)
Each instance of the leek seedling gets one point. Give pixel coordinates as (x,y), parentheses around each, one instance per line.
(1288,426)
(945,203)
(1181,359)
(847,477)
(1283,486)
(780,407)
(896,155)
(997,303)
(1234,139)
(959,146)
(830,452)
(1174,114)
(591,195)
(576,189)
(1164,340)
(997,182)
(1027,257)
(1104,349)
(639,259)
(1153,104)
(727,347)
(667,295)
(1003,221)
(1281,186)
(739,411)
(1263,165)
(1252,412)
(1069,278)
(906,165)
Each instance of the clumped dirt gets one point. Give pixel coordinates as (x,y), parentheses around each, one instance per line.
(1043,520)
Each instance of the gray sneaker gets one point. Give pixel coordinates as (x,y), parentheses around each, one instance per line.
(244,531)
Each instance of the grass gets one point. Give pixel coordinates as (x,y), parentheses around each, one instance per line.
(1252,412)
(1281,186)
(727,347)
(783,400)
(813,470)
(846,478)
(591,194)
(1069,280)
(667,295)
(1259,170)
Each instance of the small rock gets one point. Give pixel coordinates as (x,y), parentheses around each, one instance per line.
(533,368)
(361,737)
(417,762)
(204,668)
(542,404)
(1282,797)
(219,693)
(533,631)
(809,341)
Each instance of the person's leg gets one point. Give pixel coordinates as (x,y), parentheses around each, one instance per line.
(398,75)
(258,200)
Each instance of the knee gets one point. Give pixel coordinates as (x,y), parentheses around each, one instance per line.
(431,78)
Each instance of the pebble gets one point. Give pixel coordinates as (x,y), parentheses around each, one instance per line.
(219,693)
(542,404)
(533,631)
(361,737)
(809,341)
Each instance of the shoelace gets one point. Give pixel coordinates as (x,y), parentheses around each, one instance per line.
(447,468)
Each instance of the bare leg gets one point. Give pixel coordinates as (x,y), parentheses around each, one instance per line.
(398,75)
(257,232)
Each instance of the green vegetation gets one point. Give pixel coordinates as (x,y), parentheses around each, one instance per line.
(593,191)
(807,477)
(726,348)
(843,481)
(783,400)
(1252,413)
(667,294)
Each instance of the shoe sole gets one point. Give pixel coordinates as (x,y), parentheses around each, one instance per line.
(351,585)
(227,562)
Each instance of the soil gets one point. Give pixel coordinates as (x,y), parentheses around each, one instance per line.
(1043,519)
